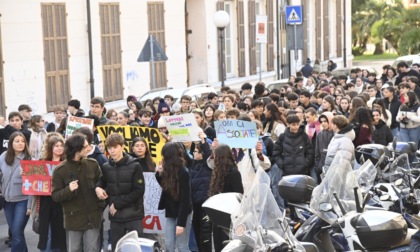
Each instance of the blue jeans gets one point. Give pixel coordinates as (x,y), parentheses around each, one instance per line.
(275,176)
(410,135)
(192,243)
(171,240)
(17,219)
(394,132)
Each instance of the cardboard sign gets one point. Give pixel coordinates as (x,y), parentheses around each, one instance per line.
(183,128)
(74,123)
(153,137)
(37,176)
(154,219)
(237,133)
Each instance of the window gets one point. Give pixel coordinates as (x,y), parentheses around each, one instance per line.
(339,28)
(111,51)
(156,18)
(229,57)
(326,35)
(259,46)
(241,39)
(253,59)
(270,35)
(56,58)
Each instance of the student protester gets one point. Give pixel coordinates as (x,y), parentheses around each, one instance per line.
(97,107)
(130,100)
(344,107)
(15,124)
(229,102)
(59,114)
(341,144)
(200,187)
(386,116)
(73,185)
(111,114)
(141,152)
(208,130)
(209,114)
(275,121)
(146,119)
(26,112)
(17,206)
(74,108)
(225,178)
(363,126)
(52,236)
(382,134)
(122,186)
(323,139)
(123,118)
(38,135)
(409,118)
(392,103)
(174,179)
(185,101)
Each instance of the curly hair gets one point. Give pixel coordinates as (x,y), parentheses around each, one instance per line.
(223,162)
(51,140)
(173,160)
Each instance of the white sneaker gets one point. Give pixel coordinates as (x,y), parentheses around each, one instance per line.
(109,247)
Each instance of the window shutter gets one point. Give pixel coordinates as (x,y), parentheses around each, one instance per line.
(326,23)
(111,51)
(156,18)
(339,28)
(56,58)
(305,31)
(318,28)
(270,35)
(241,39)
(2,102)
(252,39)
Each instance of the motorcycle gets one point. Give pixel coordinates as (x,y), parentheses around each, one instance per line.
(131,242)
(255,221)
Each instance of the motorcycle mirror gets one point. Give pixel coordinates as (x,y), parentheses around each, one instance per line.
(240,229)
(325,207)
(398,182)
(385,197)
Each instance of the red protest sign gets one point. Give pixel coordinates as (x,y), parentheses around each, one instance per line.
(37,176)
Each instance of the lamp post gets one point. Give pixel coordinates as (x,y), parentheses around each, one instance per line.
(221,20)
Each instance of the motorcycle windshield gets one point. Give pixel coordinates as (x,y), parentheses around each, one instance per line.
(259,223)
(339,179)
(366,175)
(400,170)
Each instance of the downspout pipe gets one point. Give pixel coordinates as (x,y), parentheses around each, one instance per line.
(89,30)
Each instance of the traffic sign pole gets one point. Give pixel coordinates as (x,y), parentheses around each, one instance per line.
(296,50)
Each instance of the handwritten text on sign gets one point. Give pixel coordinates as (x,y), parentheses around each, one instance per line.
(154,219)
(37,176)
(182,127)
(237,133)
(153,137)
(74,123)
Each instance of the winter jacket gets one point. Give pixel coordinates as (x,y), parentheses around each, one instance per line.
(393,107)
(306,70)
(342,145)
(51,127)
(363,135)
(413,115)
(11,180)
(233,182)
(81,208)
(293,152)
(201,176)
(323,139)
(5,135)
(269,145)
(142,162)
(99,156)
(181,208)
(382,134)
(51,216)
(123,181)
(402,75)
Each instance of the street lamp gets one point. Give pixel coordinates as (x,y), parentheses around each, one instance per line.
(221,20)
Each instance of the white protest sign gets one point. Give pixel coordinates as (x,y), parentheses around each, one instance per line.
(182,128)
(154,219)
(74,123)
(237,133)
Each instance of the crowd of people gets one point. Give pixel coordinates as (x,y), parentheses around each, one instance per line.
(301,127)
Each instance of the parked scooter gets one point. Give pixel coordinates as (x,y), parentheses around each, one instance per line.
(258,224)
(132,243)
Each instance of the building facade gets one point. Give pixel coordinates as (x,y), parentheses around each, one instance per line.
(54,51)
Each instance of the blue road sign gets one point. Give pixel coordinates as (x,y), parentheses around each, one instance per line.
(294,14)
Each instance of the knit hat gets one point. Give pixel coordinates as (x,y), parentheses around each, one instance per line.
(326,89)
(308,61)
(163,107)
(161,123)
(131,98)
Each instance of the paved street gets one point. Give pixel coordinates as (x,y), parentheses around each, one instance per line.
(31,237)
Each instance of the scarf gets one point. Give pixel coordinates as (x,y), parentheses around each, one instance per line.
(313,129)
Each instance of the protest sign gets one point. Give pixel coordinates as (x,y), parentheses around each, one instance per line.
(153,137)
(182,127)
(74,123)
(37,176)
(154,219)
(237,133)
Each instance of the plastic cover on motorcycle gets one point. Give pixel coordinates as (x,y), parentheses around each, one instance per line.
(259,222)
(339,179)
(366,175)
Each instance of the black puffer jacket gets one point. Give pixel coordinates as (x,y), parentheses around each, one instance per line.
(382,134)
(293,153)
(123,181)
(323,139)
(393,107)
(201,176)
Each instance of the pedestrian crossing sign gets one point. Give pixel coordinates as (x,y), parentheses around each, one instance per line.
(294,14)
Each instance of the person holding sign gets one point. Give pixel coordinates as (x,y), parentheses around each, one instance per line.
(52,236)
(122,186)
(174,178)
(17,207)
